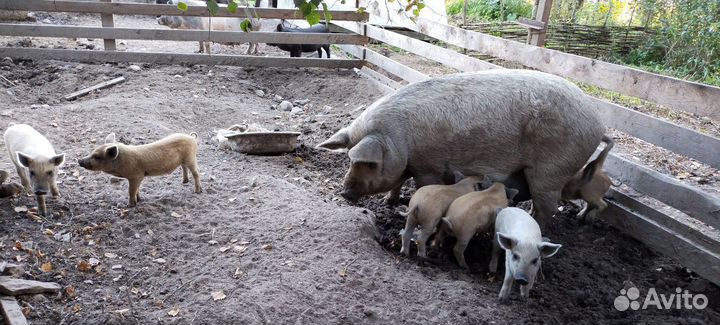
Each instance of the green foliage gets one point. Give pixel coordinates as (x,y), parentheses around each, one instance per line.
(489,10)
(213,7)
(686,43)
(182,6)
(246,25)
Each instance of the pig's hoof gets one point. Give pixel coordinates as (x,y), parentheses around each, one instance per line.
(391,201)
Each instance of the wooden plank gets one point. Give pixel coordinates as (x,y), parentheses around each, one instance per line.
(689,96)
(11,311)
(398,69)
(107,21)
(14,287)
(179,35)
(542,14)
(689,199)
(665,134)
(677,225)
(120,8)
(445,56)
(380,78)
(529,23)
(670,243)
(172,58)
(88,90)
(373,76)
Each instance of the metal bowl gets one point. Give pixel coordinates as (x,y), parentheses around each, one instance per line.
(263,143)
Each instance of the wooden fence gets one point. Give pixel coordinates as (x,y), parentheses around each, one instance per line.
(675,237)
(589,41)
(110,34)
(694,246)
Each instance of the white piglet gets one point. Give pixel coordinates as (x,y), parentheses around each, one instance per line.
(519,235)
(35,161)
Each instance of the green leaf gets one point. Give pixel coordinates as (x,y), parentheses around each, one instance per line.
(246,25)
(232,7)
(313,18)
(342,2)
(326,13)
(306,8)
(213,7)
(182,6)
(360,10)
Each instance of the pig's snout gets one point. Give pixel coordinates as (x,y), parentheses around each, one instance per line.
(40,191)
(521,280)
(82,163)
(350,195)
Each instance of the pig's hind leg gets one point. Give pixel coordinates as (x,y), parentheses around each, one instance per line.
(193,167)
(185,179)
(327,50)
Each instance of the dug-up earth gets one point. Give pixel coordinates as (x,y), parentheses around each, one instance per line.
(269,240)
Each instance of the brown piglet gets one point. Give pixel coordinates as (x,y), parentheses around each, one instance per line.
(161,157)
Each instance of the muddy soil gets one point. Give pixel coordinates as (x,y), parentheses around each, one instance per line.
(269,240)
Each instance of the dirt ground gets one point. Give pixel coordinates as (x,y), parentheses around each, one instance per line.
(269,232)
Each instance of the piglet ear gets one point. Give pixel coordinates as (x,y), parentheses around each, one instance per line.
(58,160)
(511,192)
(110,138)
(112,152)
(506,242)
(458,176)
(548,249)
(23,159)
(339,140)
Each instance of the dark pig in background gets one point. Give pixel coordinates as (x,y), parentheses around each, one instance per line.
(296,50)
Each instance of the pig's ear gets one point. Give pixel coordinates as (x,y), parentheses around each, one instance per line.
(511,192)
(339,140)
(111,152)
(505,241)
(486,182)
(458,176)
(58,160)
(23,159)
(110,138)
(447,223)
(368,150)
(548,249)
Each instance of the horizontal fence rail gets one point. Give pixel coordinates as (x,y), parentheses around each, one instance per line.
(683,95)
(174,58)
(179,35)
(124,8)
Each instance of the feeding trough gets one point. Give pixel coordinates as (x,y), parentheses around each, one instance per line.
(255,140)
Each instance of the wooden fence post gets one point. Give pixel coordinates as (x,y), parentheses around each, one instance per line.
(107,21)
(542,13)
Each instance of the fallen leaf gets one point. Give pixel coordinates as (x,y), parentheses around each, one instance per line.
(223,249)
(49,232)
(116,267)
(84,266)
(218,295)
(232,199)
(110,255)
(53,124)
(21,208)
(175,215)
(76,309)
(342,273)
(46,267)
(212,242)
(71,292)
(94,261)
(159,260)
(267,247)
(26,310)
(117,278)
(239,249)
(174,312)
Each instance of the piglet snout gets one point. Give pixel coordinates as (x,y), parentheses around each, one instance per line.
(521,280)
(40,191)
(82,163)
(350,195)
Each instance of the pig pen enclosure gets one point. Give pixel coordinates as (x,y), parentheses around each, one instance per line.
(270,240)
